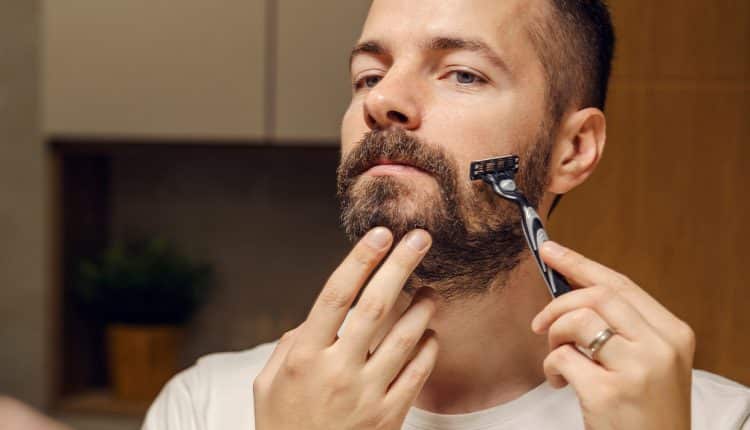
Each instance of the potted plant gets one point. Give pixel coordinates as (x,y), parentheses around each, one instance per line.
(143,292)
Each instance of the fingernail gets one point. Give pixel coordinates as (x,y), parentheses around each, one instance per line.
(553,249)
(379,237)
(418,240)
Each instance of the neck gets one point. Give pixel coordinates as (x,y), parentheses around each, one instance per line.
(488,353)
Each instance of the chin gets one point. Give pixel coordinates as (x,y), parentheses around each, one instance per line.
(398,196)
(386,202)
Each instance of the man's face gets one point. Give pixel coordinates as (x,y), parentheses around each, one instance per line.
(437,85)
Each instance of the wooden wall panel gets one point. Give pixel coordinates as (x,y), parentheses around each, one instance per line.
(668,202)
(673,39)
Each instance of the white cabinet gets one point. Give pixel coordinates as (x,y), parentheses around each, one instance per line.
(312,68)
(251,70)
(154,68)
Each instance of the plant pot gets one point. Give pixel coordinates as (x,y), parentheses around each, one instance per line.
(142,359)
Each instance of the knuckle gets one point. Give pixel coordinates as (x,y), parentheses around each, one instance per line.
(260,385)
(640,376)
(334,298)
(575,261)
(623,282)
(404,343)
(664,356)
(287,336)
(371,308)
(555,358)
(291,369)
(364,257)
(603,296)
(549,310)
(553,363)
(297,361)
(624,279)
(686,336)
(581,318)
(417,375)
(339,383)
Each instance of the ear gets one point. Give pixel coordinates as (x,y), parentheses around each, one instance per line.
(578,149)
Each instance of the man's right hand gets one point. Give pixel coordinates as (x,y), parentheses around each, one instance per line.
(315,380)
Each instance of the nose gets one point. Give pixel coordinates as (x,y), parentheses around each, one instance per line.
(392,103)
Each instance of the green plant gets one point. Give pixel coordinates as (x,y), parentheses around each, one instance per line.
(144,282)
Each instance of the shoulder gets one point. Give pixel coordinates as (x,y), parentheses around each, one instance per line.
(215,391)
(719,403)
(228,368)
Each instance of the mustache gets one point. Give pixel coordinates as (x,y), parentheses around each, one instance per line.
(396,146)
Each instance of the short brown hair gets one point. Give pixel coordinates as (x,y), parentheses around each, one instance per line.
(575,41)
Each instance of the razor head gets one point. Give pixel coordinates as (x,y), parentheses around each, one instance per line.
(502,167)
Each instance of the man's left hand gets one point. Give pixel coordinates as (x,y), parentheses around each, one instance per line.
(641,377)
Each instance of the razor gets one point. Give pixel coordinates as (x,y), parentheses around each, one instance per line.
(499,173)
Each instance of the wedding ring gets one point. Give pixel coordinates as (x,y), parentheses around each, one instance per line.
(599,341)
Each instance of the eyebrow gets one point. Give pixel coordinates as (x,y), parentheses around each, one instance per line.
(474,45)
(369,47)
(376,48)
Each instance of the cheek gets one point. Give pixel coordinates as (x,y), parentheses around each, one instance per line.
(353,126)
(482,127)
(469,134)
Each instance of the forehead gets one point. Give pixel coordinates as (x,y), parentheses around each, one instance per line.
(503,24)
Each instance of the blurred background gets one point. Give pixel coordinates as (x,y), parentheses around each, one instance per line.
(182,154)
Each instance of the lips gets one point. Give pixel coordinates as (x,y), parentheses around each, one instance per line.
(386,165)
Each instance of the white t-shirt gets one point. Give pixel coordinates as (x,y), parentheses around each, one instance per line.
(217,394)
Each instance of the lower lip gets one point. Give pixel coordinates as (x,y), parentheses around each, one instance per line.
(392,169)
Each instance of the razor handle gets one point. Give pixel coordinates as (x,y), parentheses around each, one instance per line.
(536,236)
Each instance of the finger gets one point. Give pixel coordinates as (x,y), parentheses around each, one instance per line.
(579,270)
(404,300)
(586,273)
(333,302)
(617,312)
(279,354)
(581,327)
(400,343)
(408,384)
(566,365)
(380,295)
(666,324)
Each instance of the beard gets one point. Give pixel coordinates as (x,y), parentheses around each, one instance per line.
(476,236)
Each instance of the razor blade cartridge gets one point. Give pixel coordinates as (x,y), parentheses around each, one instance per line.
(505,167)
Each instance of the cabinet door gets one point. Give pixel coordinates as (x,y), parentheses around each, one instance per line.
(154,68)
(312,67)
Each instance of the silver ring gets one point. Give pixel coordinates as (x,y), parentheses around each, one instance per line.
(600,340)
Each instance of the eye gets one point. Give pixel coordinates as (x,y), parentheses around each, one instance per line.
(367,81)
(467,78)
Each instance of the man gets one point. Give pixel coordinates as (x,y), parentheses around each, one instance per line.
(453,327)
